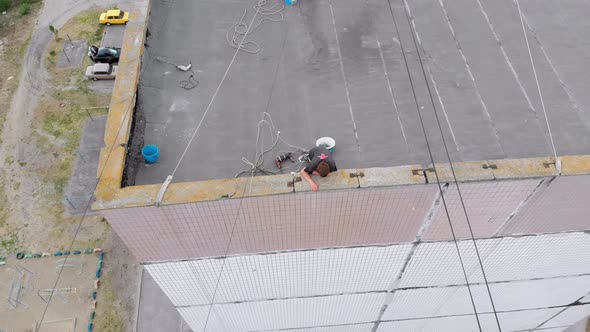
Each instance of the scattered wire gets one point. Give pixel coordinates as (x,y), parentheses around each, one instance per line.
(258,163)
(191,82)
(240,31)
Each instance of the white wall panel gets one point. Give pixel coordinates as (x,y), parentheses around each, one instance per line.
(512,321)
(196,317)
(296,313)
(437,264)
(517,295)
(447,324)
(541,256)
(281,275)
(522,320)
(569,316)
(183,282)
(428,302)
(342,328)
(532,294)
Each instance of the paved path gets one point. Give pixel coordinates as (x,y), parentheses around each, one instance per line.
(156,312)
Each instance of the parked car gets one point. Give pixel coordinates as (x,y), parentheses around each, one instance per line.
(104,54)
(101,71)
(114,16)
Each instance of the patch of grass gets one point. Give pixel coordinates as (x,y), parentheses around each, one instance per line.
(60,128)
(16,32)
(3,207)
(5,5)
(24,9)
(9,243)
(108,311)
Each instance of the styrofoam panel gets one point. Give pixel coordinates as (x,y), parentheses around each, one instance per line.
(428,302)
(310,273)
(569,316)
(444,324)
(341,328)
(300,313)
(183,282)
(540,256)
(511,321)
(520,320)
(529,294)
(437,264)
(516,295)
(281,275)
(196,318)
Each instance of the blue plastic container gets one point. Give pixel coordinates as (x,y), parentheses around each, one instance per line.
(290,2)
(150,153)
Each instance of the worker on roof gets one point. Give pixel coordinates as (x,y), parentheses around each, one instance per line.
(320,163)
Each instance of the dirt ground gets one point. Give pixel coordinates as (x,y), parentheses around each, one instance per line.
(39,135)
(32,157)
(34,277)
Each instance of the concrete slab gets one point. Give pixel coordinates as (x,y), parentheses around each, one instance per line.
(72,54)
(83,180)
(156,312)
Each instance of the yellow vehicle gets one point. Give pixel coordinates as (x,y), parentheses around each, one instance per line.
(114,16)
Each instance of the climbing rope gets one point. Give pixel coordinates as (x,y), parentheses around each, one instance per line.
(239,31)
(258,163)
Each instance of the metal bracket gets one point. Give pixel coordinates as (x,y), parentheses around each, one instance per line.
(162,191)
(292,183)
(356,175)
(420,171)
(489,166)
(557,164)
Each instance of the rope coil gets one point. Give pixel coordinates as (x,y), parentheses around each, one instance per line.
(257,165)
(239,31)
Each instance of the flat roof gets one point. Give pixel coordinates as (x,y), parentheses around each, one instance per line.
(335,68)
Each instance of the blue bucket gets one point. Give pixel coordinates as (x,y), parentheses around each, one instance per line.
(150,153)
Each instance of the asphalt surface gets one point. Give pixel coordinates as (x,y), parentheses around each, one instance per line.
(155,311)
(112,37)
(336,68)
(83,181)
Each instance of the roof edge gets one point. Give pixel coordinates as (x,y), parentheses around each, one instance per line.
(110,195)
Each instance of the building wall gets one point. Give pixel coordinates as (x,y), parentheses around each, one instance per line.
(352,217)
(377,259)
(535,281)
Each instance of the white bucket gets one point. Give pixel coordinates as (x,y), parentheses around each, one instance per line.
(327,142)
